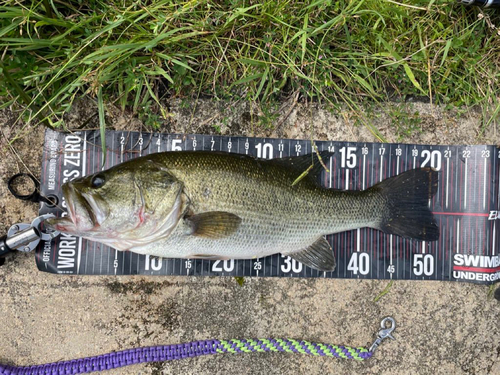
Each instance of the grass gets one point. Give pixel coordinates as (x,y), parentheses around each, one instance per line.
(134,54)
(384,292)
(405,121)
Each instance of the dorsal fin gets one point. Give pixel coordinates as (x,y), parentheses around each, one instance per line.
(309,164)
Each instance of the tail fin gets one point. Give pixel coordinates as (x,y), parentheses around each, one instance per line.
(407,198)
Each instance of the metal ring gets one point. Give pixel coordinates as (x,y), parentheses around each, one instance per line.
(48,235)
(33,197)
(392,322)
(50,200)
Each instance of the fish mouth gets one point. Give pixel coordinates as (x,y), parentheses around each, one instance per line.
(68,191)
(83,212)
(80,210)
(95,212)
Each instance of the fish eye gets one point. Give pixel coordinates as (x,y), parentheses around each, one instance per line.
(97,181)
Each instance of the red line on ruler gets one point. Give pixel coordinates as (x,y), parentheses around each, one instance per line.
(478,233)
(489,185)
(447,238)
(442,187)
(460,214)
(460,189)
(359,176)
(470,237)
(488,195)
(451,185)
(476,269)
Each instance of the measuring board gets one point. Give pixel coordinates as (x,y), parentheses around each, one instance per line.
(466,208)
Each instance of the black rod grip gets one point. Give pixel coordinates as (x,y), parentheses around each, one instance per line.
(482,3)
(4,249)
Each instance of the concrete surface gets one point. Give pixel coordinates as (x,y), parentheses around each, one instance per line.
(442,327)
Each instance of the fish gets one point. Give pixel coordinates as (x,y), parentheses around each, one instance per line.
(217,205)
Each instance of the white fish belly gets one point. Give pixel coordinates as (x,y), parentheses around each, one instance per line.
(243,244)
(254,239)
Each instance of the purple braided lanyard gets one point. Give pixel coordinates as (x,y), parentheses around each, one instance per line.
(197,348)
(117,359)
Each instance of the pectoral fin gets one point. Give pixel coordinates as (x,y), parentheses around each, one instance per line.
(214,224)
(318,256)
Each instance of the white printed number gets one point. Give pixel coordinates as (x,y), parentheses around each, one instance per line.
(348,157)
(434,157)
(153,263)
(264,151)
(359,262)
(290,265)
(176,144)
(423,264)
(257,266)
(391,268)
(227,266)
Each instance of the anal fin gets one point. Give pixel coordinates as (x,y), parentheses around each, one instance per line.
(318,256)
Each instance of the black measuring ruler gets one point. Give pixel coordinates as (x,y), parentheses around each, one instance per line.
(466,208)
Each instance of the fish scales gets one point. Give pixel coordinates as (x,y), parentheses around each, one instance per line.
(217,205)
(276,216)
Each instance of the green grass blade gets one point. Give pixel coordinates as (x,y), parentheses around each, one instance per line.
(401,61)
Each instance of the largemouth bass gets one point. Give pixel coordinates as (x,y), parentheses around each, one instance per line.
(215,205)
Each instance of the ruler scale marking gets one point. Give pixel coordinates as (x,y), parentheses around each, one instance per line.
(467,182)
